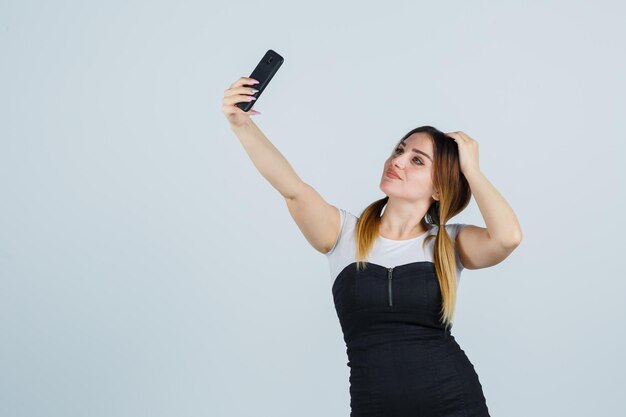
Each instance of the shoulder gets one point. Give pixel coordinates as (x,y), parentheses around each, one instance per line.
(347,217)
(347,222)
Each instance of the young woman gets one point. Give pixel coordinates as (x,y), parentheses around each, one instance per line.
(395,269)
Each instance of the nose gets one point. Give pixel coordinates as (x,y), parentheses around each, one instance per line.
(394,162)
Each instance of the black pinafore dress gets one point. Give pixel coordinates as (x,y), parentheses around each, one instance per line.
(403,361)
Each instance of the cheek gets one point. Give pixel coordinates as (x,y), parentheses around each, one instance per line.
(422,179)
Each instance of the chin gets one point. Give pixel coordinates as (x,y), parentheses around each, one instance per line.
(382,188)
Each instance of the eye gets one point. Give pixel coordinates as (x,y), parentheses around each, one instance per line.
(420,161)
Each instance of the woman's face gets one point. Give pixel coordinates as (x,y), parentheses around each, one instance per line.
(413,168)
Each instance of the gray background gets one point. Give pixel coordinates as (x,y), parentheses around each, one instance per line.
(148,269)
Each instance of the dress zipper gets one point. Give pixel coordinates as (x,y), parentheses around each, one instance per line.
(390,294)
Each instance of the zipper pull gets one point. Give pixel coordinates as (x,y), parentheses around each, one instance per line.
(390,293)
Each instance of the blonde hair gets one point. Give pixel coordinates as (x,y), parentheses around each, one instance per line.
(454,196)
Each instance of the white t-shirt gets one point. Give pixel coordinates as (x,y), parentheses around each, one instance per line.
(386,252)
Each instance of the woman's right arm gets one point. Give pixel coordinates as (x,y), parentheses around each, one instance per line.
(316,219)
(265,157)
(268,160)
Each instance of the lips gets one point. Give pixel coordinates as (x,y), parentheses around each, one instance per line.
(392,174)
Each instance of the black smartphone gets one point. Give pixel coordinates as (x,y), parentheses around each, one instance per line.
(263,73)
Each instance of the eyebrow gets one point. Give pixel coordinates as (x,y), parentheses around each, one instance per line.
(418,151)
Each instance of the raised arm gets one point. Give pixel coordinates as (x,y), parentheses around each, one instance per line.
(268,160)
(318,221)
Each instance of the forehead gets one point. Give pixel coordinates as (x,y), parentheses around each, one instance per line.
(421,141)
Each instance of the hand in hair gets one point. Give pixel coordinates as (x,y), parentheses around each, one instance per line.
(468,151)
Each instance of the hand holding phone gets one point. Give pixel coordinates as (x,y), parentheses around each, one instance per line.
(264,72)
(242,94)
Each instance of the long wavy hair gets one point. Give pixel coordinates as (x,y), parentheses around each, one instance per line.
(454,195)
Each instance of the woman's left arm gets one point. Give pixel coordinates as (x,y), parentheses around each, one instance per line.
(480,247)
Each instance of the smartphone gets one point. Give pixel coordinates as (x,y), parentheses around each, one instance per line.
(263,73)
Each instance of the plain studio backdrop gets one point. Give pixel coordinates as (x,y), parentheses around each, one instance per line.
(148,269)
